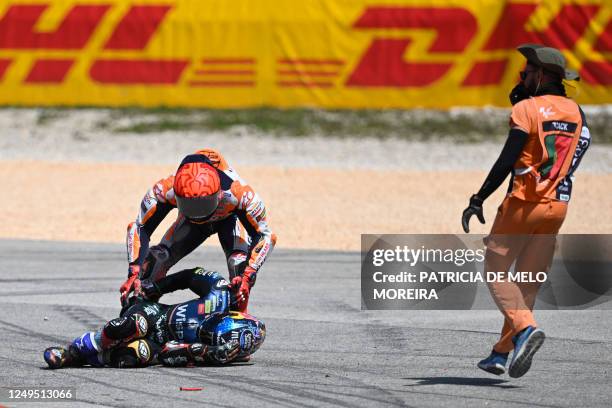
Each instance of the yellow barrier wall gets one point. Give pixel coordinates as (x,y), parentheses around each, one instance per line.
(286,53)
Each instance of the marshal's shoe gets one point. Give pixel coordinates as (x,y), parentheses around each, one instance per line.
(495,363)
(526,343)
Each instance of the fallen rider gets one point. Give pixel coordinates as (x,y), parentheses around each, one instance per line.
(199,331)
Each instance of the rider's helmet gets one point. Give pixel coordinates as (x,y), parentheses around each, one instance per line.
(197,187)
(240,329)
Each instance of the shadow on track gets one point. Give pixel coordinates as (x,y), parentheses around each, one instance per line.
(477,382)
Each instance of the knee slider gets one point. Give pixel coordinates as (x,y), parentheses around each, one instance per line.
(126,327)
(236,263)
(160,253)
(156,262)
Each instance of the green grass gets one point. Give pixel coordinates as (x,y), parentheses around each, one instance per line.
(413,125)
(466,126)
(46,116)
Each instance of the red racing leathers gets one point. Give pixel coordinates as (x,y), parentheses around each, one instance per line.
(239,220)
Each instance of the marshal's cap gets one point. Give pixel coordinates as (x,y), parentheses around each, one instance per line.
(551,59)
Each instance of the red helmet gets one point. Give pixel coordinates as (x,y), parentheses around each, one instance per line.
(197,188)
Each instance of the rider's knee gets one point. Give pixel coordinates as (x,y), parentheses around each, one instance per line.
(125,328)
(236,263)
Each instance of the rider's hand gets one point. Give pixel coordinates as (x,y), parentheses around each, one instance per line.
(132,283)
(237,296)
(241,285)
(224,353)
(198,352)
(475,208)
(176,354)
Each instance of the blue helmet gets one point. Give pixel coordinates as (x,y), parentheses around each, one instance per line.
(236,327)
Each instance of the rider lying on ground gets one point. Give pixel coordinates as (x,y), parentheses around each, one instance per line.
(199,331)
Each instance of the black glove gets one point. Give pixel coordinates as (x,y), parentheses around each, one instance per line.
(224,353)
(518,93)
(475,207)
(175,354)
(150,290)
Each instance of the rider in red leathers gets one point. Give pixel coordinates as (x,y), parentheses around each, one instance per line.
(211,198)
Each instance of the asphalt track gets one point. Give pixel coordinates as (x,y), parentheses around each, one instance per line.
(321,349)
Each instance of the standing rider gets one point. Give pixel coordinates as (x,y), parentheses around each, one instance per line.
(211,198)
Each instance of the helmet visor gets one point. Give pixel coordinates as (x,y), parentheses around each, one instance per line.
(196,208)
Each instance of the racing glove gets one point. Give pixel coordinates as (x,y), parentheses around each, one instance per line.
(475,208)
(175,354)
(132,283)
(241,287)
(224,353)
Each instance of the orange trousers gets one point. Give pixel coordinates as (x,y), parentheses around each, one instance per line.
(524,232)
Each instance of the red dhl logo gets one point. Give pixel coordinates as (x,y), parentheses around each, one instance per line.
(382,64)
(133,32)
